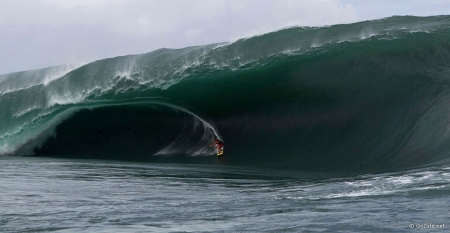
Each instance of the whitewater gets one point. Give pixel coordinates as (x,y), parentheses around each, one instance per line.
(342,128)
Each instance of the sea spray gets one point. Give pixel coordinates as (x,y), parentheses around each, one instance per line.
(368,95)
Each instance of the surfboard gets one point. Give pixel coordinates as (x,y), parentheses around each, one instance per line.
(219,152)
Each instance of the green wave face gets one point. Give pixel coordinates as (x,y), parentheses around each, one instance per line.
(371,95)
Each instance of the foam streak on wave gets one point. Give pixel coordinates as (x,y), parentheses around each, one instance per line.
(370,94)
(209,129)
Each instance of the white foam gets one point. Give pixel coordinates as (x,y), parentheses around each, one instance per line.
(58,73)
(26,110)
(375,191)
(209,132)
(10,90)
(14,138)
(367,35)
(64,99)
(316,45)
(401,180)
(51,75)
(360,183)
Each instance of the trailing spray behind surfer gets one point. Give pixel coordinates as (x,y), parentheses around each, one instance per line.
(218,145)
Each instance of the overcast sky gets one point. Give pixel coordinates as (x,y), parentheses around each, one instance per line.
(41,33)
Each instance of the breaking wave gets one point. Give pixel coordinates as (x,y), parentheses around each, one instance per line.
(372,95)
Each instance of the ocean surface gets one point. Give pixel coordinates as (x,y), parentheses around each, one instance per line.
(79,195)
(342,128)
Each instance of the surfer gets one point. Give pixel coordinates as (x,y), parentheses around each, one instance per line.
(218,145)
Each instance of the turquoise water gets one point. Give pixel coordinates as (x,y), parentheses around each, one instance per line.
(369,96)
(343,128)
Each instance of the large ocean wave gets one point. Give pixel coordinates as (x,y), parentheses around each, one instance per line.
(372,95)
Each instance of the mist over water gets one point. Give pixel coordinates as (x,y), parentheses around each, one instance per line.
(369,96)
(342,128)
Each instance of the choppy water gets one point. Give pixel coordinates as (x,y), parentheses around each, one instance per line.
(343,128)
(62,195)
